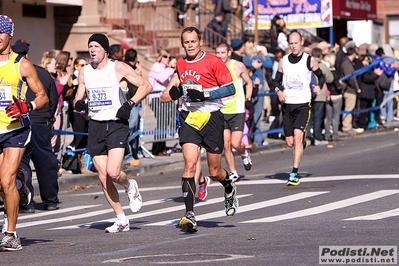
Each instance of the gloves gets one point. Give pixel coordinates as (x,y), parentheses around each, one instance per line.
(197,96)
(175,93)
(249,105)
(80,105)
(18,108)
(124,111)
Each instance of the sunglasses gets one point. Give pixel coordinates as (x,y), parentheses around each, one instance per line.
(165,56)
(82,65)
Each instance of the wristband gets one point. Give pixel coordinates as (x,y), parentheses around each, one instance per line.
(31,106)
(131,103)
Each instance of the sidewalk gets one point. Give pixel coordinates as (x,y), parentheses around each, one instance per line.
(175,161)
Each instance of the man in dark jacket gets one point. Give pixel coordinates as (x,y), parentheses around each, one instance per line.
(341,54)
(368,90)
(215,30)
(351,87)
(40,145)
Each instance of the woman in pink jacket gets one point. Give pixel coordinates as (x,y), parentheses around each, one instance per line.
(159,77)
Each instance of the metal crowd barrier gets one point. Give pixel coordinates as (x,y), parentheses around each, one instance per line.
(158,121)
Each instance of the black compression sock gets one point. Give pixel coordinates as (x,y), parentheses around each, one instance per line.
(227,183)
(188,189)
(295,170)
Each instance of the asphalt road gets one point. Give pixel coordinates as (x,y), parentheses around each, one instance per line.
(348,196)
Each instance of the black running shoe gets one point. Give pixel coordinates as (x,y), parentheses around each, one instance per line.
(24,192)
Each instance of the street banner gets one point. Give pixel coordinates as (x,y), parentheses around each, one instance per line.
(296,13)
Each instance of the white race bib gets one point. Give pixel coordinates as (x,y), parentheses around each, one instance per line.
(5,96)
(99,98)
(186,87)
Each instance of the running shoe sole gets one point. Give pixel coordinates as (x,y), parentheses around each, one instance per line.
(187,225)
(293,183)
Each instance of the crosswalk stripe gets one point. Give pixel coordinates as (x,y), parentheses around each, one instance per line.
(44,214)
(149,213)
(78,216)
(376,216)
(247,208)
(327,207)
(215,184)
(244,182)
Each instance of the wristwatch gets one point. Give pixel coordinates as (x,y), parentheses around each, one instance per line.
(207,94)
(276,89)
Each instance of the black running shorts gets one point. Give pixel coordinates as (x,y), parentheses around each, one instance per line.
(106,135)
(18,138)
(295,116)
(234,122)
(210,137)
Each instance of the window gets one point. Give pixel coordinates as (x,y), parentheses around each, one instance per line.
(393,32)
(33,11)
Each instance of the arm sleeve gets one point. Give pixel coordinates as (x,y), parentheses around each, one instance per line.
(320,77)
(277,81)
(222,92)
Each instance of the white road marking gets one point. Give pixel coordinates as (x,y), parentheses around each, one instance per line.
(246,208)
(376,216)
(149,213)
(78,216)
(327,207)
(59,211)
(268,182)
(212,258)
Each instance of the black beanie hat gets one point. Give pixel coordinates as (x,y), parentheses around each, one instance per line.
(101,39)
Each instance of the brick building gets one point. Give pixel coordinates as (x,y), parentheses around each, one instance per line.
(388,12)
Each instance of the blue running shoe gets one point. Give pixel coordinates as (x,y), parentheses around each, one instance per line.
(293,180)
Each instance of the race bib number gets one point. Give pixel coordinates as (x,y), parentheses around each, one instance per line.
(294,81)
(99,98)
(186,87)
(5,96)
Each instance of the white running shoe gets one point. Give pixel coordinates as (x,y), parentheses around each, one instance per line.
(246,160)
(133,194)
(10,242)
(231,202)
(118,226)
